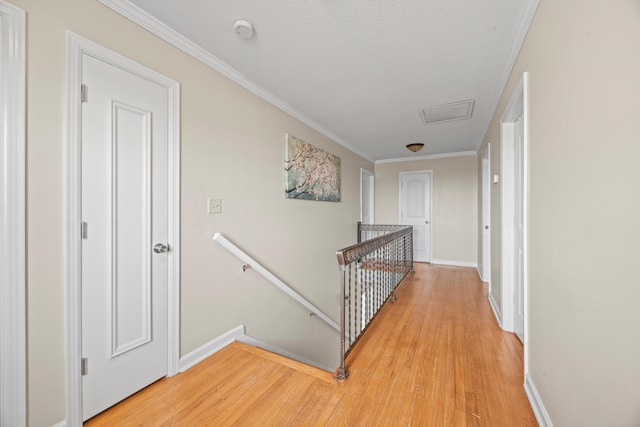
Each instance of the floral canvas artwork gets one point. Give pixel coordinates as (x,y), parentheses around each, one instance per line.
(309,172)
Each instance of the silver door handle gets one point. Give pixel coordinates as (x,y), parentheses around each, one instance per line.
(160,248)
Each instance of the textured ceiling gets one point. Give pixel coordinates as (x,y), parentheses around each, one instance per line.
(360,70)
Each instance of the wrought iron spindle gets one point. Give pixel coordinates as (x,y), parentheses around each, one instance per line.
(370,272)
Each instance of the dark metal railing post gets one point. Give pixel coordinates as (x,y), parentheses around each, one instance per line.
(342,373)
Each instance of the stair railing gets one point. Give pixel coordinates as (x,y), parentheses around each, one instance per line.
(370,272)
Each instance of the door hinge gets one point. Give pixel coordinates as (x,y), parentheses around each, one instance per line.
(83,229)
(84,366)
(83,93)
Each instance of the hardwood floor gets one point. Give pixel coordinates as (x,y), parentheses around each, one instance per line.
(436,357)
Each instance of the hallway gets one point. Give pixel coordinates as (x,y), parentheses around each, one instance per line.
(436,357)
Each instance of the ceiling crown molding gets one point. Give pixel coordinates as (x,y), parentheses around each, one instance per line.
(150,23)
(523,27)
(428,157)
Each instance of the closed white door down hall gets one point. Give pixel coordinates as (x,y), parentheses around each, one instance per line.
(124,233)
(415,210)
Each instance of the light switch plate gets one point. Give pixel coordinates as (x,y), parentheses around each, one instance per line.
(214,206)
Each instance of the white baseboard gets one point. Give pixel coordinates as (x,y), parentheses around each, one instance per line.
(454,263)
(542,416)
(237,334)
(480,275)
(496,310)
(62,423)
(213,346)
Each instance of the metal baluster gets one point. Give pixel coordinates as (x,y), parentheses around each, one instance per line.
(358,329)
(341,373)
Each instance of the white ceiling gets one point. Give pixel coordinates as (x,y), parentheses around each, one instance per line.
(359,71)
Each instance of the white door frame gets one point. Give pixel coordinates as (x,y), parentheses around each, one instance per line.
(371,177)
(429,208)
(77,47)
(485,215)
(518,106)
(13,359)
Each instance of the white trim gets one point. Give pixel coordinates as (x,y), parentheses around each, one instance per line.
(482,279)
(215,345)
(228,245)
(524,22)
(455,263)
(514,109)
(76,47)
(173,232)
(150,23)
(365,172)
(62,423)
(525,215)
(518,105)
(540,412)
(237,334)
(429,157)
(496,310)
(507,211)
(13,331)
(484,268)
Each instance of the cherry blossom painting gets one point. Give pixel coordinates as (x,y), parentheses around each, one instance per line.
(309,172)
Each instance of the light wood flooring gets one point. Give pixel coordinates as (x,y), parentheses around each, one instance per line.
(436,357)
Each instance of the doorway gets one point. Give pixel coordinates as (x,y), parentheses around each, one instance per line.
(485,262)
(514,143)
(416,189)
(367,192)
(122,228)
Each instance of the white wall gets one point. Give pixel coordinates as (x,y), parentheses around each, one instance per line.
(455,203)
(584,66)
(232,148)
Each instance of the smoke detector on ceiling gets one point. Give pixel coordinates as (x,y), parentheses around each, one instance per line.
(243,29)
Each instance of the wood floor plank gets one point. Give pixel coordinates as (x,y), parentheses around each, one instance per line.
(436,357)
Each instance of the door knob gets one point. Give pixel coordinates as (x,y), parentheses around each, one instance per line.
(486,227)
(426,222)
(160,248)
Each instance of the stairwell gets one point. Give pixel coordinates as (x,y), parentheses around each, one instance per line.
(436,357)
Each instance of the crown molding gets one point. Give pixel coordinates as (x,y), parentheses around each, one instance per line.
(429,157)
(526,18)
(150,23)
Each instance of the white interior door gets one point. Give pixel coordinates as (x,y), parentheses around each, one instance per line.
(415,210)
(485,265)
(124,214)
(366,196)
(519,228)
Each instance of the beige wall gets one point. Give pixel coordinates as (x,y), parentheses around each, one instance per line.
(232,148)
(455,203)
(584,334)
